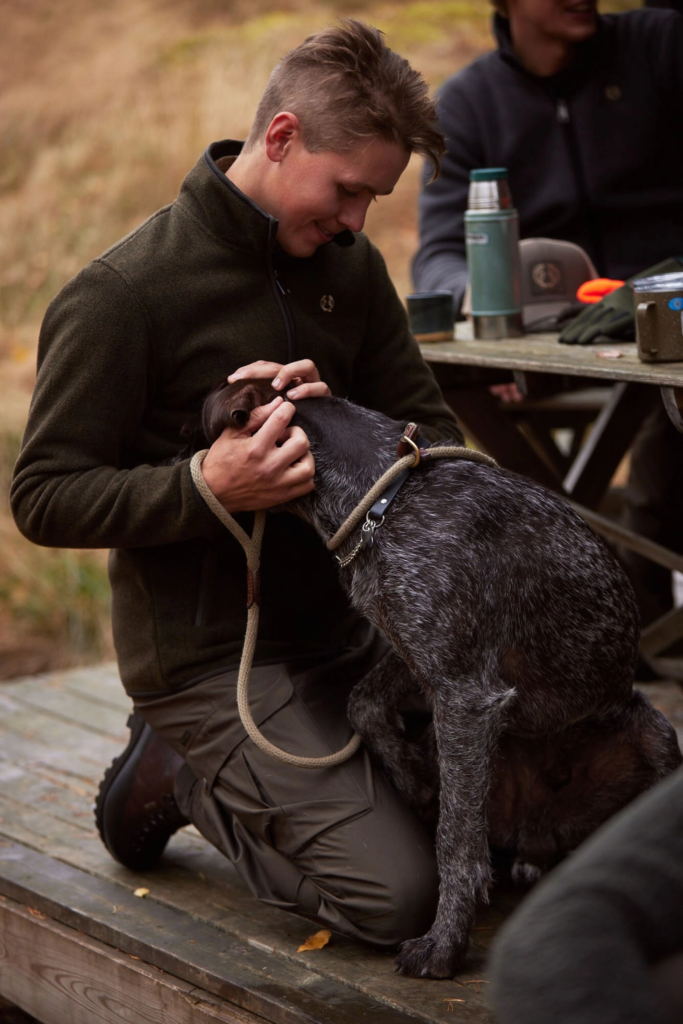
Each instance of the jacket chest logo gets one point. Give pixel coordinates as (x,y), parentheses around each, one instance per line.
(327,303)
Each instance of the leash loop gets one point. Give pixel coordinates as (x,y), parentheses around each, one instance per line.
(252,549)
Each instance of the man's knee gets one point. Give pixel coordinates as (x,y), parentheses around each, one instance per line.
(404,900)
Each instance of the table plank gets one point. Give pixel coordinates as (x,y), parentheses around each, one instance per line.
(542,353)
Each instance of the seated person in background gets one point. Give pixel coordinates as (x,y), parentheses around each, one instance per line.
(259,268)
(580,108)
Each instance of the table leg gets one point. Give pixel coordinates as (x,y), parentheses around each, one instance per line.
(493,430)
(608,442)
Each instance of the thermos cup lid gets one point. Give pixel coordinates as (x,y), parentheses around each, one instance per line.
(489,174)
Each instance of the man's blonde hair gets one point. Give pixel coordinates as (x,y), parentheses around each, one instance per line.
(345,84)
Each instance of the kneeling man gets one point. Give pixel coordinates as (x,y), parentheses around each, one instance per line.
(257,269)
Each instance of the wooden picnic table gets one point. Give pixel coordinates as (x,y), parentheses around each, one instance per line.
(567,386)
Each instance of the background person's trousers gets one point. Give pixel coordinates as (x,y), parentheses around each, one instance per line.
(654,509)
(335,845)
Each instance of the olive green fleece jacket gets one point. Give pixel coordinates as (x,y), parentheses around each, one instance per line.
(129,349)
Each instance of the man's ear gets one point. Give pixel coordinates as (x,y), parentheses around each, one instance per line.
(283,129)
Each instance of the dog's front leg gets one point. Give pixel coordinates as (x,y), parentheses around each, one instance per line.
(468,719)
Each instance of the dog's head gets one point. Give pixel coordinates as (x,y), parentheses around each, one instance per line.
(231,405)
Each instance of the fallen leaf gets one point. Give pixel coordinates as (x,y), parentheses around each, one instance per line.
(36,913)
(610,353)
(316,941)
(474,981)
(141,892)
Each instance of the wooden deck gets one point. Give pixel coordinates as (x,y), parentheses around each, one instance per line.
(78,947)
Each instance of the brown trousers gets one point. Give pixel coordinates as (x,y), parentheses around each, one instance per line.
(334,845)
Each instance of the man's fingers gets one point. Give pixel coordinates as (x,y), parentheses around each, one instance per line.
(314,390)
(260,414)
(263,369)
(271,429)
(304,369)
(295,447)
(299,477)
(301,377)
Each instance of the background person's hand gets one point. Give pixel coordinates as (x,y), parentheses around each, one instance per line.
(507,392)
(264,464)
(302,374)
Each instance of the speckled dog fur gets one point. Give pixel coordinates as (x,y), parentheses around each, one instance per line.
(520,628)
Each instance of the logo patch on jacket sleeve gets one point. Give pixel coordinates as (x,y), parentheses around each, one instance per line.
(327,303)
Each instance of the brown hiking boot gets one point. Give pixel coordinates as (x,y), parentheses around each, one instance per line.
(135,809)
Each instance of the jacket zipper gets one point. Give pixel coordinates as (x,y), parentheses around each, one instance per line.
(281,297)
(564,118)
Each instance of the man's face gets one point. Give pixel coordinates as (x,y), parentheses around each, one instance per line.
(316,195)
(569,21)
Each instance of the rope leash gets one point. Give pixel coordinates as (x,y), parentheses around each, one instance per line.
(252,549)
(408,461)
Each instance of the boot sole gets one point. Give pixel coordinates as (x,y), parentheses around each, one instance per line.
(136,724)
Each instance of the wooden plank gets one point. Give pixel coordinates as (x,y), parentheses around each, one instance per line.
(38,734)
(662,633)
(51,697)
(542,353)
(284,993)
(633,541)
(62,976)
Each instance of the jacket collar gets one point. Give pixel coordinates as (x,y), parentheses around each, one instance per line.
(589,55)
(225,210)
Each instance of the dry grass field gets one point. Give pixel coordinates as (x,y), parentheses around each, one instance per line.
(103,109)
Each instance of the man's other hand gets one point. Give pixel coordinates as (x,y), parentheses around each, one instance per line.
(264,464)
(302,374)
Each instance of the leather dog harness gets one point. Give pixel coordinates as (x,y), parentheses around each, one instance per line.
(412,450)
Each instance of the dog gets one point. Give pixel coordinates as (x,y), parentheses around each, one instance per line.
(504,609)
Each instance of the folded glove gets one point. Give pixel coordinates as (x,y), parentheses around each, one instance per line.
(615,315)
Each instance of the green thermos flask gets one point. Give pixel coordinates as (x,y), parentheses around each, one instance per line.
(492,243)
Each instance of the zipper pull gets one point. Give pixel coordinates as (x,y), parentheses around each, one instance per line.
(563,112)
(279,283)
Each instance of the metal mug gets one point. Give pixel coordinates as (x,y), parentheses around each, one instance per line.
(659,318)
(431,316)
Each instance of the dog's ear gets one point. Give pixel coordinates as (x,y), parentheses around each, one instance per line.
(231,405)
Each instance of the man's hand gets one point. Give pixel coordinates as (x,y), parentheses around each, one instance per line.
(303,374)
(265,463)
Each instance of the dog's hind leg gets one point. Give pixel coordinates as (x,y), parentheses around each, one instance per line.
(468,719)
(374,710)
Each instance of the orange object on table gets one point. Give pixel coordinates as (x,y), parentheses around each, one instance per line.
(596,289)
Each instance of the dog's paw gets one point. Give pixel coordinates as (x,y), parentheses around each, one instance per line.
(426,958)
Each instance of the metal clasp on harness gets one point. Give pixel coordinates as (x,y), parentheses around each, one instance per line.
(367,539)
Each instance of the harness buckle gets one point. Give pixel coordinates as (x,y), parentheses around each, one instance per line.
(416,451)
